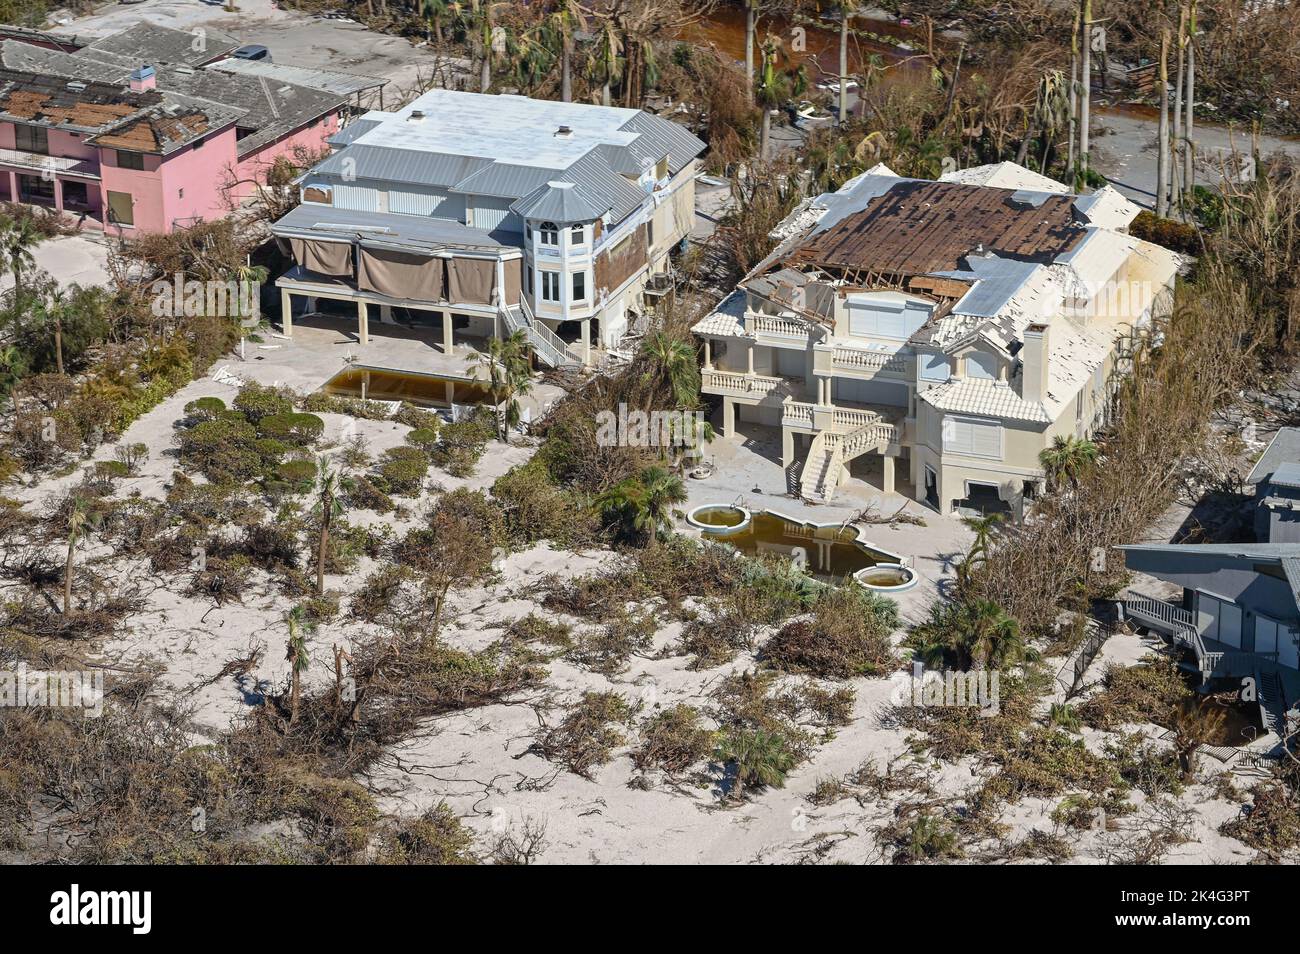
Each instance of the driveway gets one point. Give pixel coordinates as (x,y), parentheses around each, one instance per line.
(69,259)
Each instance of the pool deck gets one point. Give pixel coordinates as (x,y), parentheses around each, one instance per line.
(748,472)
(322,346)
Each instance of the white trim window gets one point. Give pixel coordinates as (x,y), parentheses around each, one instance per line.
(972,437)
(577,235)
(550,235)
(579,286)
(550,286)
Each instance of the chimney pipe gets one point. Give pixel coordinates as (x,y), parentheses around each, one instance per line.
(145,78)
(1033,362)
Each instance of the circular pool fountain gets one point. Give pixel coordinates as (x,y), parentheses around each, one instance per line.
(719,518)
(886,577)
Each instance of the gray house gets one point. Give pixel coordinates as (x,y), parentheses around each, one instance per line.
(1276,479)
(1239,615)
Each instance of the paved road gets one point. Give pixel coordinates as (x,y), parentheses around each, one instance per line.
(1124,151)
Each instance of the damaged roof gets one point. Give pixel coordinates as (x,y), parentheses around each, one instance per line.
(919,227)
(158,45)
(149,121)
(267,110)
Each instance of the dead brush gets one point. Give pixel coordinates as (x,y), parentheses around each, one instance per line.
(673,741)
(587,736)
(607,649)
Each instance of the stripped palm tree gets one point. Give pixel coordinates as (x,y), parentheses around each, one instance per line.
(81,520)
(566,19)
(607,60)
(328,505)
(297,656)
(509,377)
(434,11)
(775,87)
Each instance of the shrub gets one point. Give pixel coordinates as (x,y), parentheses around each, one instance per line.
(205,408)
(435,838)
(256,401)
(479,514)
(1142,693)
(847,636)
(132,456)
(1172,234)
(299,474)
(222,450)
(672,741)
(300,430)
(607,649)
(111,469)
(364,495)
(425,438)
(587,736)
(463,442)
(416,417)
(403,471)
(536,509)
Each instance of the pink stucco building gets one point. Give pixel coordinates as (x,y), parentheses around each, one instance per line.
(136,147)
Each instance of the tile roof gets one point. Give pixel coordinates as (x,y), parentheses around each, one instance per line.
(725,320)
(983,398)
(1005,175)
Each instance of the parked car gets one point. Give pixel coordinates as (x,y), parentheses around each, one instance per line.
(254,52)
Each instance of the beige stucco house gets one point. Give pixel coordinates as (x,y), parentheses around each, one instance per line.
(935,335)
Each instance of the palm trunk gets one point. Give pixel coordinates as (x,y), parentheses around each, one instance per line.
(1074,100)
(67,575)
(765,131)
(485,72)
(58,343)
(1162,152)
(605,93)
(324,544)
(844,63)
(566,70)
(1189,102)
(751,27)
(1176,169)
(1085,91)
(295,693)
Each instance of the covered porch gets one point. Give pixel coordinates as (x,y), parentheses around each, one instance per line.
(58,183)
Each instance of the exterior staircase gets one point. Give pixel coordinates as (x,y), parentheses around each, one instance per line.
(830,452)
(1272,701)
(546,344)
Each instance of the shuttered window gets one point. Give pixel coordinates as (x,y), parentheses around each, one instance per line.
(120,210)
(972,437)
(885,318)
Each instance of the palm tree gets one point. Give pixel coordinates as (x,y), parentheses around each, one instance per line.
(1195,724)
(480,25)
(297,656)
(761,758)
(328,505)
(751,29)
(81,520)
(509,377)
(848,10)
(978,552)
(248,277)
(671,361)
(971,634)
(774,88)
(530,59)
(51,311)
(17,239)
(643,504)
(433,12)
(1068,458)
(607,60)
(560,26)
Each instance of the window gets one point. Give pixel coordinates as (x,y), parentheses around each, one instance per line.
(36,189)
(550,234)
(935,367)
(577,235)
(971,437)
(130,160)
(120,209)
(530,280)
(579,286)
(981,365)
(550,286)
(32,139)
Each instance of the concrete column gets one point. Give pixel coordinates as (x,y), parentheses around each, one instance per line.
(446,332)
(363,322)
(787,447)
(821,390)
(887,484)
(728,417)
(286,312)
(750,356)
(586,340)
(708,355)
(13,190)
(58,194)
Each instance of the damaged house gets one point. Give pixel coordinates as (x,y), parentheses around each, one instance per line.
(938,335)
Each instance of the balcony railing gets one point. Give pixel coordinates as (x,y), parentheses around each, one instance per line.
(50,165)
(773,326)
(859,359)
(743,385)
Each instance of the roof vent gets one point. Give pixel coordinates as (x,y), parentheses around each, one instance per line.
(183,70)
(417,116)
(564,132)
(77,85)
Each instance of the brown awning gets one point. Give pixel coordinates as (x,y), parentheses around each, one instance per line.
(514,280)
(470,280)
(323,258)
(400,274)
